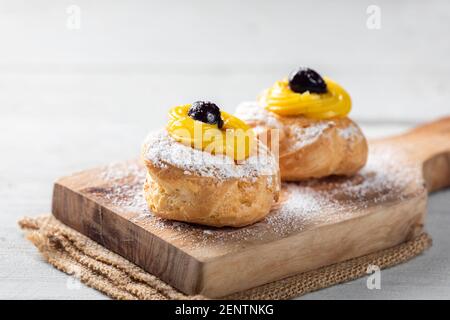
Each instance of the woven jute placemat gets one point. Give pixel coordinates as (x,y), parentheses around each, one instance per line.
(99,268)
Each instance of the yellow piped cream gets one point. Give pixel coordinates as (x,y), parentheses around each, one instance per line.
(280,99)
(235,139)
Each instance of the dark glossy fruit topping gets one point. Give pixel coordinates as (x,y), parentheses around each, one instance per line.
(305,79)
(206,112)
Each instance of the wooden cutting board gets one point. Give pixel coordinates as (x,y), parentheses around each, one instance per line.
(317,223)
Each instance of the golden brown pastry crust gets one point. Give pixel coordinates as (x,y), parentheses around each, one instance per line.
(312,148)
(174,193)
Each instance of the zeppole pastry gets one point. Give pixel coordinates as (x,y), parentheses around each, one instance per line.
(208,167)
(304,120)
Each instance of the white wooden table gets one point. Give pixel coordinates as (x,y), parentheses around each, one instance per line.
(74,99)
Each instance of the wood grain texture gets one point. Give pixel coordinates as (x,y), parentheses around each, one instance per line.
(223,265)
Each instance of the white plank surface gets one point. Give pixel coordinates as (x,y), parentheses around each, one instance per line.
(73,99)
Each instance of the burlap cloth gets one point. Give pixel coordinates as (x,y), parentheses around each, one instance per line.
(99,268)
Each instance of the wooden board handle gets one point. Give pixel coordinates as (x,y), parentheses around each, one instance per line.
(429,145)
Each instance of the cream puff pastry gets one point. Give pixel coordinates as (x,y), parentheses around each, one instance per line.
(315,138)
(188,182)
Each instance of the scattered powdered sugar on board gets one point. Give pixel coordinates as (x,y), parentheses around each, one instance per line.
(303,204)
(161,149)
(123,187)
(118,171)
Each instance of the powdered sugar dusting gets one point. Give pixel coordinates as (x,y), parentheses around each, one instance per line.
(303,205)
(124,187)
(161,149)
